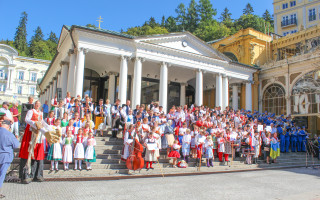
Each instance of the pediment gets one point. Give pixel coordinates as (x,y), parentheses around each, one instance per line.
(185,42)
(8,50)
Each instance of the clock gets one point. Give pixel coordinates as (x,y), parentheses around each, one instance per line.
(184,43)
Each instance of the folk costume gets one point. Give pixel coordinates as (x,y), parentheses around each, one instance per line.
(67,152)
(90,153)
(78,154)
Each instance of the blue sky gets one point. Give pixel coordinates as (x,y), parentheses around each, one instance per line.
(116,14)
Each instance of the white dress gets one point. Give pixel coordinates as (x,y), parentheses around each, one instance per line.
(79,149)
(67,150)
(90,149)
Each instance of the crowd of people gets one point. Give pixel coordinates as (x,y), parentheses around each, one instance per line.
(184,132)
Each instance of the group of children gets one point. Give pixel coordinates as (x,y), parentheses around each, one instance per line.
(75,144)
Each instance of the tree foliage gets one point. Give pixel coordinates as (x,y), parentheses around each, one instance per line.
(20,38)
(248,10)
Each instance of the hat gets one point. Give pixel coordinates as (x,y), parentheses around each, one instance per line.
(6,122)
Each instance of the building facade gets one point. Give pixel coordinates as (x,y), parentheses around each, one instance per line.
(291,16)
(19,75)
(173,69)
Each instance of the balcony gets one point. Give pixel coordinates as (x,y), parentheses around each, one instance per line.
(312,18)
(289,22)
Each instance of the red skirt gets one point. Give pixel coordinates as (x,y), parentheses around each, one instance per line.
(38,150)
(174,154)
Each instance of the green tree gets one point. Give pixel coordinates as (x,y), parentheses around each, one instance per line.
(192,17)
(152,22)
(41,50)
(268,17)
(212,31)
(20,38)
(38,36)
(163,21)
(248,10)
(225,15)
(146,30)
(206,11)
(181,16)
(250,21)
(53,37)
(52,47)
(171,24)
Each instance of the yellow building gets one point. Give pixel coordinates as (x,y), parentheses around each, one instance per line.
(249,47)
(291,16)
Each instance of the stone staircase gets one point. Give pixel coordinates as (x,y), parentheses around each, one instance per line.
(109,163)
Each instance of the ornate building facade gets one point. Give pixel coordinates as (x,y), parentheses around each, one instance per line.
(19,75)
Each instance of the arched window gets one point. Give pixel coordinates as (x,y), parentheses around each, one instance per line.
(274,100)
(306,94)
(231,56)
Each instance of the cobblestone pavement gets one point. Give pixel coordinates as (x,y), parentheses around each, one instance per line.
(299,183)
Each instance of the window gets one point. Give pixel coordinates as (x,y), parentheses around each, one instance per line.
(285,5)
(292,3)
(293,31)
(32,90)
(21,75)
(2,88)
(20,89)
(34,77)
(312,14)
(274,100)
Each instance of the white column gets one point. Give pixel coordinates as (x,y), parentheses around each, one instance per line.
(111,86)
(183,94)
(235,105)
(219,90)
(64,79)
(50,95)
(71,73)
(79,74)
(136,96)
(59,80)
(199,88)
(9,79)
(123,79)
(248,96)
(163,90)
(225,92)
(54,88)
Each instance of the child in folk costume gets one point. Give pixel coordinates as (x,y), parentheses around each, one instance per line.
(162,122)
(275,147)
(127,141)
(151,154)
(55,154)
(175,153)
(90,153)
(221,147)
(54,102)
(99,113)
(77,122)
(208,145)
(168,138)
(193,147)
(145,128)
(157,131)
(64,123)
(182,131)
(70,127)
(67,150)
(129,118)
(60,110)
(228,147)
(51,119)
(257,144)
(200,140)
(78,153)
(186,140)
(87,119)
(215,144)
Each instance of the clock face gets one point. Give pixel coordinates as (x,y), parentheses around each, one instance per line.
(184,43)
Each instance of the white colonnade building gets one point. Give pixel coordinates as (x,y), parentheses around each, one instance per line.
(174,69)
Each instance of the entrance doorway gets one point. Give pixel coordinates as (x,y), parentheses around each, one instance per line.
(94,86)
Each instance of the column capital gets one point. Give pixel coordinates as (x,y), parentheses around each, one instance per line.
(122,57)
(84,50)
(71,51)
(112,73)
(165,63)
(138,58)
(64,63)
(184,84)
